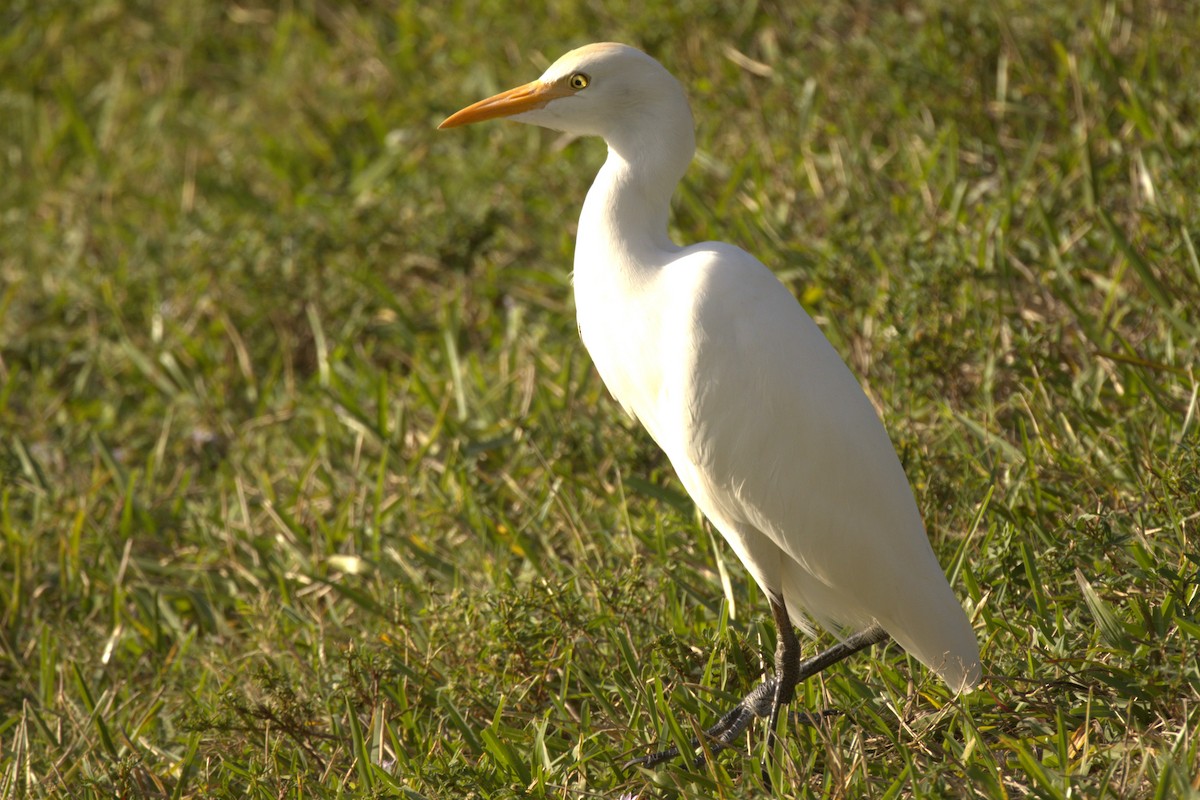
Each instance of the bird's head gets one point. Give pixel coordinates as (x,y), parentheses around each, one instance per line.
(605,89)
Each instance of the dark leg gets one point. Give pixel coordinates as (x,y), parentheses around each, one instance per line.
(787,672)
(766,699)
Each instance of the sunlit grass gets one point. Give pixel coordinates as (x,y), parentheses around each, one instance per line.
(308,489)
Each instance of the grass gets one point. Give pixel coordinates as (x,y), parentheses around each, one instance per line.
(308,489)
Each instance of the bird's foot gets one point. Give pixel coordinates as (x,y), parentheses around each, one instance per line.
(765,701)
(721,735)
(729,727)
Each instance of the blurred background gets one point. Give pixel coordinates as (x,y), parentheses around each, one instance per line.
(308,488)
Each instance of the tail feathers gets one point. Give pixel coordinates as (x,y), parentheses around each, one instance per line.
(929,623)
(961,673)
(947,645)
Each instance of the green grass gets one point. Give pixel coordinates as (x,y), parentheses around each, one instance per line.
(308,489)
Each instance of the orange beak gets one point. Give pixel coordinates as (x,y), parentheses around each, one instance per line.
(515,101)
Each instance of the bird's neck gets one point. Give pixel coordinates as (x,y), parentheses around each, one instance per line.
(623,226)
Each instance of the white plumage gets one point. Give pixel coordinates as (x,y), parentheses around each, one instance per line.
(764,424)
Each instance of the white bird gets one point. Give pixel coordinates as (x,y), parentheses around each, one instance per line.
(764,424)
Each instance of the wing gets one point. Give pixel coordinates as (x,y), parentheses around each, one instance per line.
(781,449)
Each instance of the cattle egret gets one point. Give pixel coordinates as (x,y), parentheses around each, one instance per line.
(764,424)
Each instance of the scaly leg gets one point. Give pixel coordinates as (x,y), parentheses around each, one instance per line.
(766,699)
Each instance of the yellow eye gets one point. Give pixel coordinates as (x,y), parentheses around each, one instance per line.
(579,81)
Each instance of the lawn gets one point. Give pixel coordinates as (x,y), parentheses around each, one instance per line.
(308,488)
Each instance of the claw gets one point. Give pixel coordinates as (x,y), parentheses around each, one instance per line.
(766,700)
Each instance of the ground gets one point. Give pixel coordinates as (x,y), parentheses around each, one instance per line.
(308,488)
